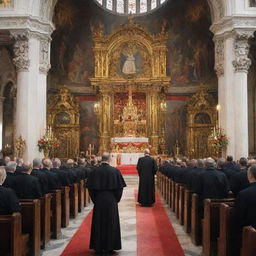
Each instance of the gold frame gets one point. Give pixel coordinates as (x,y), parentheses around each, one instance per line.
(198,133)
(67,132)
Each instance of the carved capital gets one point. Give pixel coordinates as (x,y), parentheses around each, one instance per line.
(219,56)
(242,63)
(44,62)
(21,51)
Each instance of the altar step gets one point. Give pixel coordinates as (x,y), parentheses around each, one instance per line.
(128,169)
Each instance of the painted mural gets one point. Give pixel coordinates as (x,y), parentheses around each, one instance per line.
(176,124)
(88,123)
(190,47)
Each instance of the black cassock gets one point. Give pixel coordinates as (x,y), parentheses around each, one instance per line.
(105,184)
(147,168)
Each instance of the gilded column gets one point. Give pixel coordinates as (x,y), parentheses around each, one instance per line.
(106,98)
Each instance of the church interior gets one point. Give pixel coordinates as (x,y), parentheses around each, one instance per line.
(82,77)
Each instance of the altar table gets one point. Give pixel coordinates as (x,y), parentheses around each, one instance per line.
(126,158)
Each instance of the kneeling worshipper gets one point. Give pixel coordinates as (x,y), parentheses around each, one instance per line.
(105,184)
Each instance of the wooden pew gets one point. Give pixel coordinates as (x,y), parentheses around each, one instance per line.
(173,196)
(196,225)
(86,195)
(73,195)
(187,210)
(80,195)
(45,219)
(65,207)
(56,214)
(12,241)
(31,224)
(211,224)
(177,198)
(224,243)
(169,192)
(181,204)
(249,242)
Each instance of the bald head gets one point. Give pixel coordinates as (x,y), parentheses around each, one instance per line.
(27,167)
(146,151)
(70,163)
(2,175)
(105,157)
(47,163)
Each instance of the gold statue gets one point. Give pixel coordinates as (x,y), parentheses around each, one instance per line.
(19,146)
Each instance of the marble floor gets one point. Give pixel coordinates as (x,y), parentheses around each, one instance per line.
(127,212)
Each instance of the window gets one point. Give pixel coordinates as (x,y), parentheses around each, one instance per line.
(126,7)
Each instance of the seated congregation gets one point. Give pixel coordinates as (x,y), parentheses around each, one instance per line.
(37,200)
(215,201)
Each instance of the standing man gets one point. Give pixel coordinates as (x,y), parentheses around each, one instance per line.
(147,168)
(105,184)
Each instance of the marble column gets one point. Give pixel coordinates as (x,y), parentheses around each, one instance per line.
(1,121)
(241,65)
(231,65)
(31,92)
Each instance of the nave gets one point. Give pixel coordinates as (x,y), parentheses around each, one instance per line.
(136,230)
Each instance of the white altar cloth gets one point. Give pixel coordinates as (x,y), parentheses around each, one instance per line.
(129,139)
(126,158)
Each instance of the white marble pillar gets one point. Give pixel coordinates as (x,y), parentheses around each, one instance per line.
(241,65)
(232,90)
(31,92)
(1,121)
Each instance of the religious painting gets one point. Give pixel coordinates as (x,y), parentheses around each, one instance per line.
(131,62)
(190,55)
(252,3)
(176,125)
(88,124)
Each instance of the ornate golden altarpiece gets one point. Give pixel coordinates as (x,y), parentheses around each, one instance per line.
(131,60)
(63,114)
(201,119)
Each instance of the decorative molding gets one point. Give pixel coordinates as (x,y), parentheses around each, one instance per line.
(28,23)
(21,51)
(44,62)
(231,23)
(219,56)
(241,46)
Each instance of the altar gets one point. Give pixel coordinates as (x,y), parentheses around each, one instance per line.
(118,159)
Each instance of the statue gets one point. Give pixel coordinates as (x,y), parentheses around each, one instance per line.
(19,146)
(129,66)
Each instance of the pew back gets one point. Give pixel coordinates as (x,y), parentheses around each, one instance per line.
(249,242)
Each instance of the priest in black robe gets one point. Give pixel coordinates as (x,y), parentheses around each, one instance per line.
(105,184)
(147,168)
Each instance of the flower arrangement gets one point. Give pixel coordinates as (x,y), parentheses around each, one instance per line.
(48,141)
(218,139)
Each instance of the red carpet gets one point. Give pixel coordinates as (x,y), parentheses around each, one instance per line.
(127,169)
(79,244)
(155,234)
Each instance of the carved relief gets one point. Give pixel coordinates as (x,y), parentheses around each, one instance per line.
(21,52)
(44,56)
(242,63)
(219,56)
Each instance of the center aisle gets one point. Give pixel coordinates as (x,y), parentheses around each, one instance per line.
(144,231)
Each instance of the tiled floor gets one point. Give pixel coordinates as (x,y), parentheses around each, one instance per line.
(127,213)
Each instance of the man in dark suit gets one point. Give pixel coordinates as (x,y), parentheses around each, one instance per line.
(244,211)
(147,168)
(62,175)
(9,202)
(10,180)
(27,186)
(105,184)
(52,177)
(19,167)
(240,180)
(211,184)
(42,177)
